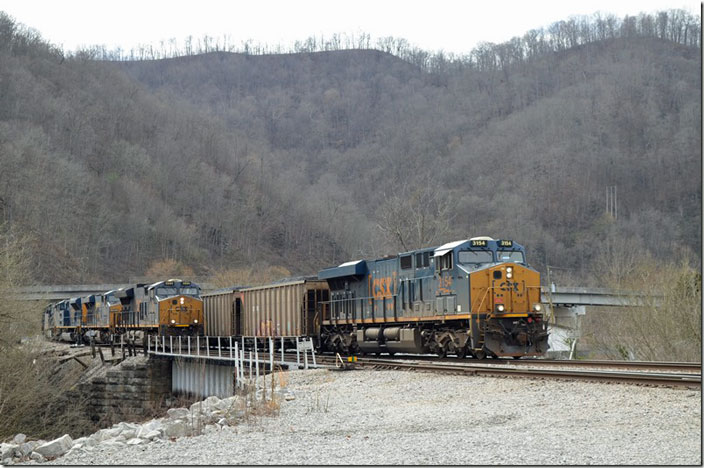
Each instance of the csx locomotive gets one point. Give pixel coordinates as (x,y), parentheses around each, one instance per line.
(172,307)
(471,297)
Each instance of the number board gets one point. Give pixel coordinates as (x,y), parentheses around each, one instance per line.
(479,243)
(505,243)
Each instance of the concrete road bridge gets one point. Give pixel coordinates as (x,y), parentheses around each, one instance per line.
(64,291)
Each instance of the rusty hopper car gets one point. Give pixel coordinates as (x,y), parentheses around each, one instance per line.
(222,310)
(471,297)
(283,309)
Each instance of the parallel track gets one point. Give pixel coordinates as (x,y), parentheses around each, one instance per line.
(690,380)
(641,365)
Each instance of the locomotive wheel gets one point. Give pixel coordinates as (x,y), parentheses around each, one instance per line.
(442,353)
(516,357)
(462,353)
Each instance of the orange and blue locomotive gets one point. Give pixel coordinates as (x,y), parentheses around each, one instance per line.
(171,307)
(473,297)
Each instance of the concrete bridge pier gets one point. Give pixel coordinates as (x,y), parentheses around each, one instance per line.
(565,330)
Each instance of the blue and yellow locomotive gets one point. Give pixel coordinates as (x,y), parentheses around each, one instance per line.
(472,297)
(171,307)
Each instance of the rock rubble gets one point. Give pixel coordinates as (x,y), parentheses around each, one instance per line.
(391,417)
(203,417)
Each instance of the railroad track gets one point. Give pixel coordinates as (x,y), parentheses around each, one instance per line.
(638,377)
(640,365)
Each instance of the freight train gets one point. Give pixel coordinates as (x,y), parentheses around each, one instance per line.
(476,297)
(171,307)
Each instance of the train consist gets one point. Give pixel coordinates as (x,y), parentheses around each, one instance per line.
(476,297)
(172,307)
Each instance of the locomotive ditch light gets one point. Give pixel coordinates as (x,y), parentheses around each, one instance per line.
(500,308)
(173,321)
(195,321)
(537,307)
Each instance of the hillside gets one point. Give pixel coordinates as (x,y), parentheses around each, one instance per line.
(226,160)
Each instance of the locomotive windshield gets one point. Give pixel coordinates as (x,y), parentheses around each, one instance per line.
(166,292)
(475,257)
(510,256)
(190,291)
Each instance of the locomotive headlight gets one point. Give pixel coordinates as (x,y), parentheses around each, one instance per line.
(537,307)
(509,269)
(181,301)
(509,272)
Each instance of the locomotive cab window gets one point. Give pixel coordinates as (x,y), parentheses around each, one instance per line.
(445,262)
(515,256)
(475,257)
(406,262)
(166,292)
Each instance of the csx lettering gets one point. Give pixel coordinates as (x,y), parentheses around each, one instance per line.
(381,288)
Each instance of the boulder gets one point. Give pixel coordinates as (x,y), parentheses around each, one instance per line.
(113,443)
(129,433)
(37,457)
(56,447)
(7,450)
(149,427)
(178,413)
(7,461)
(28,447)
(211,401)
(135,441)
(152,435)
(19,439)
(105,434)
(176,429)
(89,442)
(210,428)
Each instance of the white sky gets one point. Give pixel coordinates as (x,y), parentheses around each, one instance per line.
(451,25)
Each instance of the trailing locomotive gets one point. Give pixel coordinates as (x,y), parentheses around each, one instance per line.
(171,307)
(472,297)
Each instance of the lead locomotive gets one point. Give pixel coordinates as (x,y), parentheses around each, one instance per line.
(472,297)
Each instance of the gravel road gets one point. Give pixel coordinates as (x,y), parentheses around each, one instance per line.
(395,417)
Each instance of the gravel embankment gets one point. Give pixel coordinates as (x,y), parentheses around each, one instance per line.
(393,417)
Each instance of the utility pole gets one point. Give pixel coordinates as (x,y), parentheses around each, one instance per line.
(611,201)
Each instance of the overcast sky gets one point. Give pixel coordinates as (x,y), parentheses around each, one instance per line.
(449,25)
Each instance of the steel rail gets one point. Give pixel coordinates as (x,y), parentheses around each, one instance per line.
(655,365)
(642,378)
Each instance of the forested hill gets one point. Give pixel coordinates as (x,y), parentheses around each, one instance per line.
(227,160)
